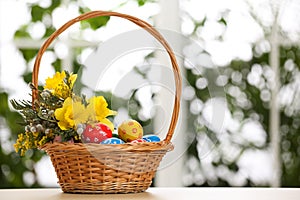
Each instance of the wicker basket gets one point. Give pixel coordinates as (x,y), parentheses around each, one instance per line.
(115,168)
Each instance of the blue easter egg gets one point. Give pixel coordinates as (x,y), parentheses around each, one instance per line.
(112,140)
(151,138)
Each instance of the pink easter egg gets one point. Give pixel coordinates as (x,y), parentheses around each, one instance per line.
(57,138)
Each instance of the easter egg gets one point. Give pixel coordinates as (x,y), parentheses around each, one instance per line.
(57,138)
(96,133)
(138,141)
(130,130)
(151,138)
(112,140)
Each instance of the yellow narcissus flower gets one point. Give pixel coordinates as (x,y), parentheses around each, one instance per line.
(98,108)
(70,114)
(52,83)
(57,85)
(73,112)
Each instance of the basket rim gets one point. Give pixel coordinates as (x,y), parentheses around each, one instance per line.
(128,147)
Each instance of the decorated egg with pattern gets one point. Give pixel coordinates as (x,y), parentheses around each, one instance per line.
(130,130)
(96,133)
(138,141)
(151,138)
(112,140)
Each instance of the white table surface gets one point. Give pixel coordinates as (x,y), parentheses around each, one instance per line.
(160,194)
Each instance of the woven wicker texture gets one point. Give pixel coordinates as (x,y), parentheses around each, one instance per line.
(115,168)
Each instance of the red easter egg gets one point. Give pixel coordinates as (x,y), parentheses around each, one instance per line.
(138,141)
(96,133)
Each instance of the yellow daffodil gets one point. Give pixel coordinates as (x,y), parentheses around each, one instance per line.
(52,83)
(70,114)
(98,108)
(74,112)
(58,86)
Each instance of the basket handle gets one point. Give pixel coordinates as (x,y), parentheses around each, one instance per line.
(138,22)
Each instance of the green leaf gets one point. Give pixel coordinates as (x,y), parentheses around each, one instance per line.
(3,103)
(49,31)
(20,105)
(76,66)
(57,65)
(84,10)
(10,117)
(95,23)
(55,4)
(141,2)
(37,13)
(27,77)
(28,54)
(233,167)
(202,23)
(14,119)
(22,32)
(223,21)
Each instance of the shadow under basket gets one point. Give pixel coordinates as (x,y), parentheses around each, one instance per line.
(96,168)
(109,168)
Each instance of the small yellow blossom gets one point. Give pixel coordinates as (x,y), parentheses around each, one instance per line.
(26,141)
(18,144)
(42,141)
(57,84)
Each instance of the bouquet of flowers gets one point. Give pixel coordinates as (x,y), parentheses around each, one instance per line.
(59,115)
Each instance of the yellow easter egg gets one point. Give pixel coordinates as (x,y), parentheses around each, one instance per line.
(130,130)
